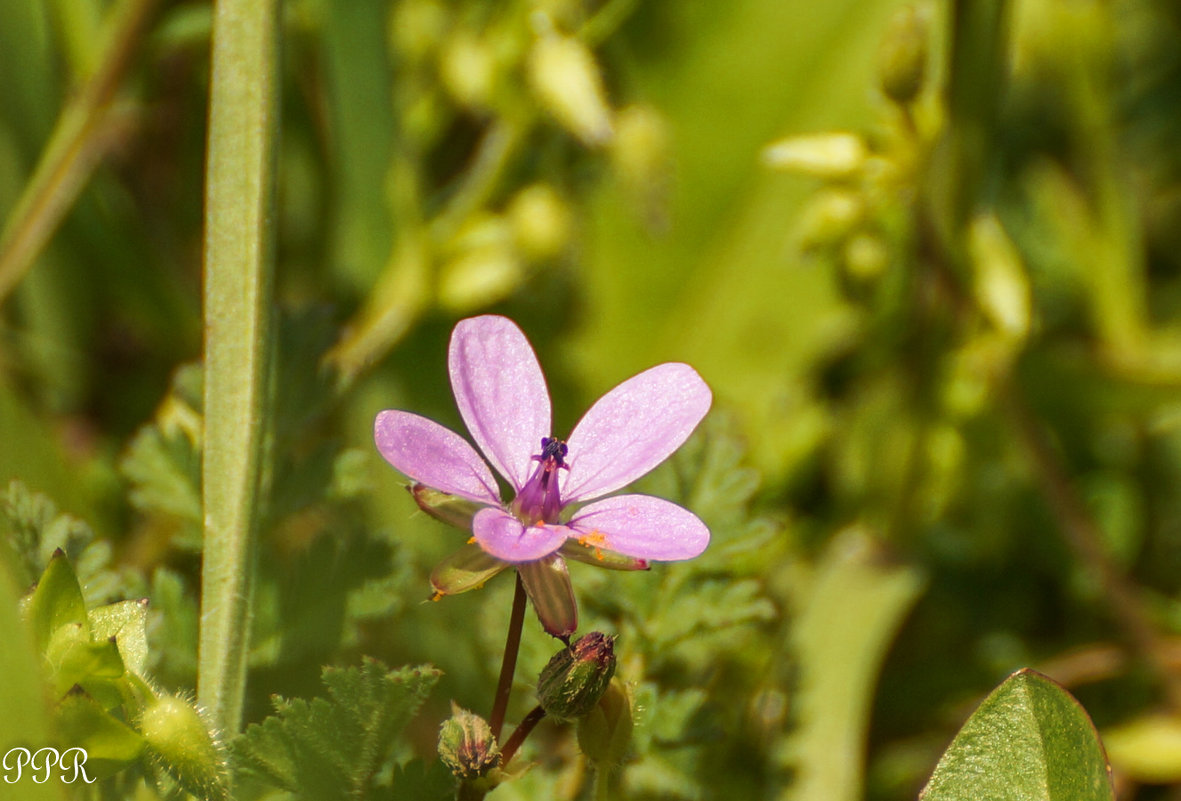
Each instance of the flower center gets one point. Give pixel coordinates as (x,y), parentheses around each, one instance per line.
(539,500)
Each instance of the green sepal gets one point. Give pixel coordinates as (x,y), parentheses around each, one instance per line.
(450,509)
(126,623)
(95,665)
(110,744)
(600,557)
(56,601)
(547,583)
(605,733)
(465,569)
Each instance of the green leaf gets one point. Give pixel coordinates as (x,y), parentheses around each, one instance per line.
(164,467)
(110,744)
(423,781)
(37,530)
(56,602)
(126,622)
(1029,740)
(95,665)
(839,664)
(332,748)
(24,718)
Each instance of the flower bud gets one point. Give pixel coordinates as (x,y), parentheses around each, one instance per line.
(830,217)
(577,676)
(185,746)
(902,59)
(1001,286)
(466,745)
(826,155)
(540,221)
(866,257)
(486,267)
(566,79)
(416,27)
(604,734)
(642,148)
(467,68)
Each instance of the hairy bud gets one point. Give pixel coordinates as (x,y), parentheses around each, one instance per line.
(185,746)
(466,745)
(576,677)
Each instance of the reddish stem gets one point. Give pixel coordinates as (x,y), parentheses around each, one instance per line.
(508,667)
(519,734)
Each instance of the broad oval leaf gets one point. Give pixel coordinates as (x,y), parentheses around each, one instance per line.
(1030,740)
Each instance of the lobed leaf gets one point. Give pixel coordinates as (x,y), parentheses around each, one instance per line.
(333,748)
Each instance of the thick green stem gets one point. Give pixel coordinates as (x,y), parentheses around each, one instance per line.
(238,255)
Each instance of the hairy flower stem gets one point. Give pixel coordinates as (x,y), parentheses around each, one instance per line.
(512,646)
(513,743)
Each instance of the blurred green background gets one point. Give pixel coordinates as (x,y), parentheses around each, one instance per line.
(941,332)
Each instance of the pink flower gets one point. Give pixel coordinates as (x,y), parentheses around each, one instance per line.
(502,397)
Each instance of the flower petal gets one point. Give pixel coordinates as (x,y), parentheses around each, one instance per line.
(641,526)
(501,393)
(434,455)
(505,537)
(633,428)
(547,583)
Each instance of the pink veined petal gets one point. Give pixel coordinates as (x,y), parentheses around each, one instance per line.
(633,428)
(641,526)
(505,537)
(434,455)
(501,393)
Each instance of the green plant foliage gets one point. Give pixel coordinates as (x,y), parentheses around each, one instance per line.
(125,622)
(839,665)
(111,745)
(23,717)
(1028,740)
(422,781)
(162,463)
(336,747)
(926,255)
(687,629)
(37,531)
